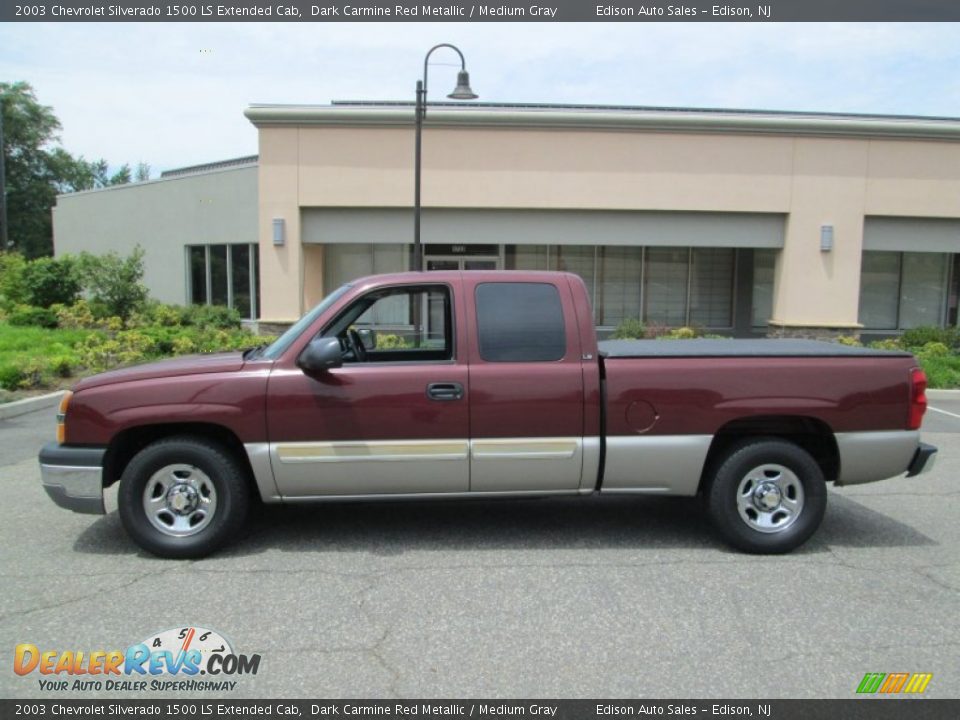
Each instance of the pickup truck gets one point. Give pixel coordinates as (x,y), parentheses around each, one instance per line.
(484,384)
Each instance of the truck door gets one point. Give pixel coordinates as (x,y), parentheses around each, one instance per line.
(393,419)
(526,386)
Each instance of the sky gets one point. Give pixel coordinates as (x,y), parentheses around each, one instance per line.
(173,95)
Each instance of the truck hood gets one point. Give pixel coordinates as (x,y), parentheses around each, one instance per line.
(173,367)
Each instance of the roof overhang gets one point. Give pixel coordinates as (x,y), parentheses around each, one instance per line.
(637,120)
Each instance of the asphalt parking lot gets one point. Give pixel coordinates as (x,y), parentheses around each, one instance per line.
(547,598)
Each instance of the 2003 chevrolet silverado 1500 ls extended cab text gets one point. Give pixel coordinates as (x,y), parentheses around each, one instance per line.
(481,384)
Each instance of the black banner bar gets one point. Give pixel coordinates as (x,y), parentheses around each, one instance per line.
(190,709)
(495,11)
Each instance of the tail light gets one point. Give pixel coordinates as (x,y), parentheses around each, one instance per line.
(918,398)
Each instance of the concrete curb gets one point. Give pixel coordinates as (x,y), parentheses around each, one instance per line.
(22,407)
(943,394)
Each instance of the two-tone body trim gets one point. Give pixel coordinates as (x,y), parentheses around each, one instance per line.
(360,451)
(73,477)
(424,467)
(869,456)
(658,464)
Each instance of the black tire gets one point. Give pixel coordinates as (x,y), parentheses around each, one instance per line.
(739,527)
(220,467)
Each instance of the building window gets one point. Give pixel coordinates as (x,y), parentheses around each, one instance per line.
(902,290)
(349,261)
(669,286)
(764,264)
(225,275)
(665,281)
(618,290)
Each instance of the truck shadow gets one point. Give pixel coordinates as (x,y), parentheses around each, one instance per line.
(391,529)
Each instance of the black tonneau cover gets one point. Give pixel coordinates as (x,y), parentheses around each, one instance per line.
(737,348)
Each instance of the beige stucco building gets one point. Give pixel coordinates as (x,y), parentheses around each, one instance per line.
(741,222)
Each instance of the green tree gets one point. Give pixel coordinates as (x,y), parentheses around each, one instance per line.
(37,169)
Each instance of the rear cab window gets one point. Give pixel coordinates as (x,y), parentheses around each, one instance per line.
(520,322)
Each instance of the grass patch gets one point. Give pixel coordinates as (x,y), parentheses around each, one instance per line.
(37,358)
(943,371)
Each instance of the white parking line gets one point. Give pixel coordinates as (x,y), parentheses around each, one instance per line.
(944,412)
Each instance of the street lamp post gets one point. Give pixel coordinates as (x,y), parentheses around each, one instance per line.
(461,92)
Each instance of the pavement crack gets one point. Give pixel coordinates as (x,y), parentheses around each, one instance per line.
(925,573)
(80,598)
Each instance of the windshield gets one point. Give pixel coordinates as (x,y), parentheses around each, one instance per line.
(275,349)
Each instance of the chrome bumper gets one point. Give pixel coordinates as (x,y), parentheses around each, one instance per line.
(73,477)
(923,461)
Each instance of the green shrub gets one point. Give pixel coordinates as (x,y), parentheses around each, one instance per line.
(389,341)
(114,281)
(215,316)
(849,340)
(933,349)
(10,377)
(79,315)
(61,365)
(943,371)
(183,345)
(920,336)
(629,329)
(681,333)
(23,315)
(888,344)
(100,352)
(49,281)
(12,289)
(34,374)
(155,313)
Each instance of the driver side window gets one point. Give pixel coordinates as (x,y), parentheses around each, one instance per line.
(399,324)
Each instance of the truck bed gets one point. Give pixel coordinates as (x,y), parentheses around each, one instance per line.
(762,347)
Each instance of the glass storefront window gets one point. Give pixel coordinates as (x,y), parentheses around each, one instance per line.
(665,286)
(240,276)
(348,261)
(669,286)
(902,290)
(924,290)
(764,263)
(711,287)
(222,275)
(879,290)
(618,285)
(198,274)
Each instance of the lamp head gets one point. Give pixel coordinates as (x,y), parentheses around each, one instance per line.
(462,91)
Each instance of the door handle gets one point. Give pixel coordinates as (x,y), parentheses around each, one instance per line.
(445,391)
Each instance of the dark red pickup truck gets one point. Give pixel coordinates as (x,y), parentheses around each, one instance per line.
(481,384)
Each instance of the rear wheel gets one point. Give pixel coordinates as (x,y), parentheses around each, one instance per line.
(766,496)
(183,497)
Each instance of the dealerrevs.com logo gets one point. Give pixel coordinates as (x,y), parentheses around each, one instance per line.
(169,661)
(894,683)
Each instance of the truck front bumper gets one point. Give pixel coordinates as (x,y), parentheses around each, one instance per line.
(73,477)
(923,461)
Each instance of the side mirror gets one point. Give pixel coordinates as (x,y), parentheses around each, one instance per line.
(321,354)
(368,337)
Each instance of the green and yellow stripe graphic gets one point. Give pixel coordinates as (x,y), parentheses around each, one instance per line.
(890,683)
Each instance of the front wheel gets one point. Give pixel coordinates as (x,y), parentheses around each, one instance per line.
(767,496)
(183,497)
